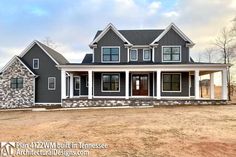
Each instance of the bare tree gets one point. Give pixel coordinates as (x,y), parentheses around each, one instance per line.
(199,57)
(224,43)
(209,53)
(49,42)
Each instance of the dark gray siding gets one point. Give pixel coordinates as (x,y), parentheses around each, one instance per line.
(140,55)
(47,68)
(98,90)
(84,89)
(172,38)
(192,91)
(184,83)
(110,39)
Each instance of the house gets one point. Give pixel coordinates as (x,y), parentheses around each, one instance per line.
(127,67)
(32,78)
(138,67)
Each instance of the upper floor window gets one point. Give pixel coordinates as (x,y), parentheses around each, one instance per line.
(171,53)
(110,54)
(146,55)
(133,55)
(36,63)
(17,83)
(51,83)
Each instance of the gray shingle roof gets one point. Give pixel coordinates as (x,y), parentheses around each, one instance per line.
(139,37)
(87,59)
(54,54)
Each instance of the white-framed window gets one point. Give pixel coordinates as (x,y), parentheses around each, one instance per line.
(110,82)
(51,83)
(110,54)
(77,82)
(171,82)
(35,63)
(146,54)
(171,53)
(133,55)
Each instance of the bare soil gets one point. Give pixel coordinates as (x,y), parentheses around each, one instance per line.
(151,132)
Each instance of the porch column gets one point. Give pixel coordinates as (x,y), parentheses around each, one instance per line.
(90,84)
(224,90)
(196,81)
(71,85)
(63,84)
(158,87)
(126,84)
(212,86)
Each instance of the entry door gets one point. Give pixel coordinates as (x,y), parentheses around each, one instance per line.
(140,85)
(76,86)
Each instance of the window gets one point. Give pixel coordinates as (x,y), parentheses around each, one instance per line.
(110,54)
(86,80)
(171,82)
(171,53)
(35,63)
(17,83)
(133,55)
(146,55)
(110,82)
(77,83)
(51,83)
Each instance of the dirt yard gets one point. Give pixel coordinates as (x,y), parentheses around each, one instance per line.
(152,132)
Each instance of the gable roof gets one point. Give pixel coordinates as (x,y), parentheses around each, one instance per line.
(108,27)
(12,61)
(177,30)
(54,55)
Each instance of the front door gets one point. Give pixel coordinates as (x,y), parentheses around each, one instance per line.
(140,85)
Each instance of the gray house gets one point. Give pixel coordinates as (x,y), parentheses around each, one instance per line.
(127,67)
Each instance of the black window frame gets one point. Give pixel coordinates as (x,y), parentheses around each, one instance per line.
(171,53)
(111,53)
(171,83)
(17,83)
(110,83)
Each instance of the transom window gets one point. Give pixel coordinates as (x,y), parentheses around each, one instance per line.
(146,55)
(17,83)
(133,55)
(171,82)
(36,63)
(110,82)
(171,53)
(110,54)
(51,83)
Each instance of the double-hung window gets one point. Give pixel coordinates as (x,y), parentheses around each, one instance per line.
(171,53)
(146,55)
(110,82)
(110,54)
(16,83)
(51,83)
(171,82)
(133,55)
(35,63)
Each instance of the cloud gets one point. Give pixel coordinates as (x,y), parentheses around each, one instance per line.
(153,7)
(171,14)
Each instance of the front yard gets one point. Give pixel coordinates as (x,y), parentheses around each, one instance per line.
(151,132)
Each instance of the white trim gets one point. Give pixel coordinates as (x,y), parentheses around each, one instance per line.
(153,54)
(109,97)
(175,97)
(136,73)
(141,97)
(31,45)
(196,84)
(109,47)
(136,50)
(12,61)
(93,55)
(170,46)
(35,59)
(54,81)
(128,54)
(127,85)
(212,86)
(63,84)
(177,30)
(149,53)
(153,87)
(90,83)
(108,27)
(141,46)
(180,90)
(71,78)
(224,92)
(102,82)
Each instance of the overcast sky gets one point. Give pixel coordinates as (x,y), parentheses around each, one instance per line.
(72,24)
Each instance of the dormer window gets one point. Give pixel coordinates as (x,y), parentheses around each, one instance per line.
(111,54)
(35,63)
(146,55)
(171,53)
(133,55)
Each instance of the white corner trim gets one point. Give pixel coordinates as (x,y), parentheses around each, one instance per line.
(35,59)
(54,81)
(180,90)
(177,30)
(109,47)
(108,27)
(149,54)
(102,82)
(180,53)
(136,51)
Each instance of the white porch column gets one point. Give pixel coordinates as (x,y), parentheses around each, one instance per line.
(224,90)
(126,84)
(212,86)
(158,87)
(71,85)
(153,54)
(63,84)
(196,81)
(90,84)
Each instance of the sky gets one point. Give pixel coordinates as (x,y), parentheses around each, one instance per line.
(72,24)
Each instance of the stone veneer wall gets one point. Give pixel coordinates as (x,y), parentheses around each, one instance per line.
(16,98)
(135,102)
